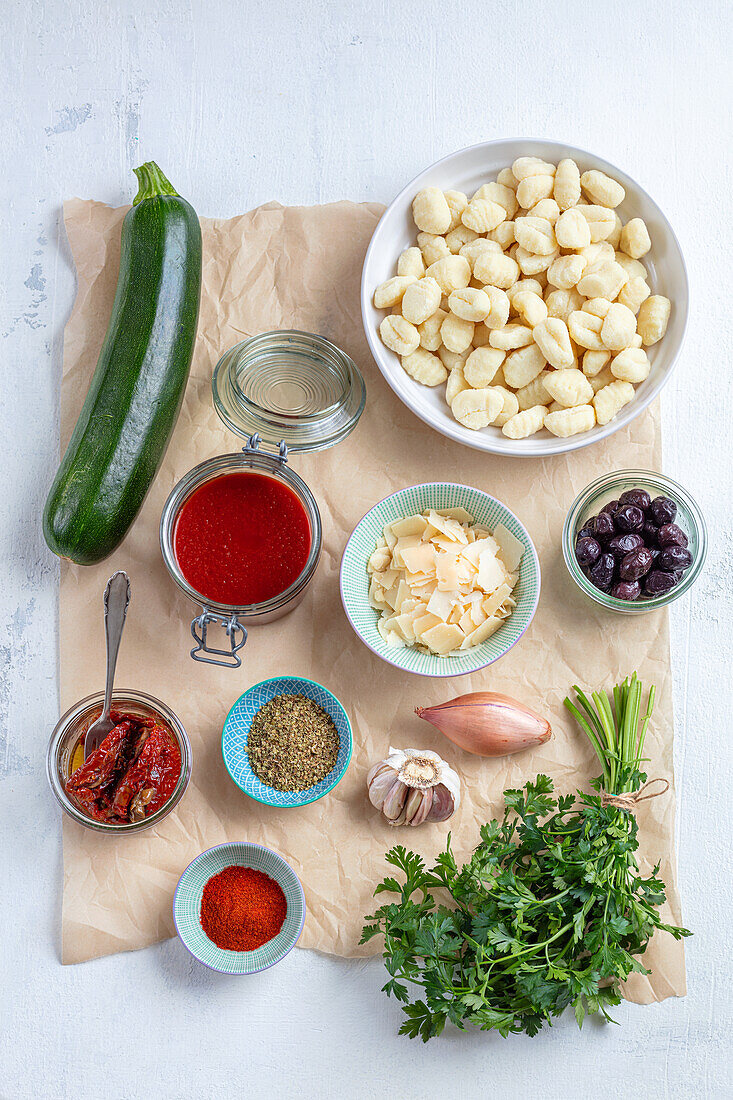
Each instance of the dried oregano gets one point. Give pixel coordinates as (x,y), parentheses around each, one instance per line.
(292,743)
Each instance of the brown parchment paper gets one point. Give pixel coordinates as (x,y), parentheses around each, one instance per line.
(296,267)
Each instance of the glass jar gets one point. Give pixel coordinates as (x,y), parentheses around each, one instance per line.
(610,487)
(236,618)
(71,728)
(292,386)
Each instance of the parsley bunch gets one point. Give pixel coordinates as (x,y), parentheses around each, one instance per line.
(551,909)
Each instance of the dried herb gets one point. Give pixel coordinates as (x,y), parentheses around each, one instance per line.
(550,911)
(292,743)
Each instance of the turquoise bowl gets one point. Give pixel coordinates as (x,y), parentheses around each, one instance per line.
(236,731)
(187,907)
(486,510)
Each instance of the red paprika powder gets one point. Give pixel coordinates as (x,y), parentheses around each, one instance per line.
(242,908)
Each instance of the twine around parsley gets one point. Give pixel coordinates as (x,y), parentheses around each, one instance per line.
(630,799)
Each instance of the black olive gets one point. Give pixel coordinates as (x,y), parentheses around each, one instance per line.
(628,518)
(586,531)
(604,527)
(674,557)
(626,590)
(587,550)
(624,544)
(663,510)
(610,507)
(671,535)
(601,574)
(635,564)
(638,497)
(650,533)
(658,583)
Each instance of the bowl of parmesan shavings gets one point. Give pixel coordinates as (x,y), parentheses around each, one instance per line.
(440,579)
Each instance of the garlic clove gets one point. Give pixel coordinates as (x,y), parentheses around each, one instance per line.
(443,804)
(374,771)
(399,820)
(394,801)
(380,783)
(418,806)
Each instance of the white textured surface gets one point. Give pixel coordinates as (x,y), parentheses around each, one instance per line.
(307,101)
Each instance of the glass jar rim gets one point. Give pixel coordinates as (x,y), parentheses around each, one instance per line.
(76,713)
(605,483)
(267,465)
(301,431)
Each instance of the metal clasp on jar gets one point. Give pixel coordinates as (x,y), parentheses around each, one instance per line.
(253,447)
(233,628)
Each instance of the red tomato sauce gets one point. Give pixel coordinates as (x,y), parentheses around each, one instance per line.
(242,538)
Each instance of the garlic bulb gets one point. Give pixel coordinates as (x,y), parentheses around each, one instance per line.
(488,724)
(412,786)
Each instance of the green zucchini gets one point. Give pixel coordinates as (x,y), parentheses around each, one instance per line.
(136,392)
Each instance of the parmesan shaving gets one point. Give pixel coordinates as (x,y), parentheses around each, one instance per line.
(440,582)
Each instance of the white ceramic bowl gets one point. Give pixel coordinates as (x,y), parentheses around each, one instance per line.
(466,171)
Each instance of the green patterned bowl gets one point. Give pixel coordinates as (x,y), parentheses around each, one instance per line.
(187,907)
(485,510)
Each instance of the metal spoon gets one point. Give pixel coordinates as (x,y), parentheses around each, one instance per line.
(116,599)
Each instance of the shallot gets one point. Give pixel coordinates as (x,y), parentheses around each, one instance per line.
(488,724)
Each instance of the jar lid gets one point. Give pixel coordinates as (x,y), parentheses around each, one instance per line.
(290,386)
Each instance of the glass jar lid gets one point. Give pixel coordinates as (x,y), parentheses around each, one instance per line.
(292,386)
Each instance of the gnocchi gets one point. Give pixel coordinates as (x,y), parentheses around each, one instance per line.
(431,211)
(553,339)
(572,229)
(565,422)
(391,292)
(456,333)
(525,423)
(609,400)
(482,215)
(477,408)
(601,189)
(631,365)
(527,300)
(411,263)
(653,318)
(569,388)
(619,327)
(425,367)
(481,367)
(535,235)
(399,335)
(450,273)
(634,239)
(566,189)
(433,247)
(421,300)
(472,305)
(429,330)
(531,307)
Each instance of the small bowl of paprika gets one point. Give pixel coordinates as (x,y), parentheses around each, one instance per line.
(239,908)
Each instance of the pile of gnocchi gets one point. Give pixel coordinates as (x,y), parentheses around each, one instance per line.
(529,301)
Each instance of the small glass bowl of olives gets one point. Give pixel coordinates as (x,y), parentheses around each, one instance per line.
(634,541)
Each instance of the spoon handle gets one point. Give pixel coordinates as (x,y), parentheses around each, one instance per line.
(116,599)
